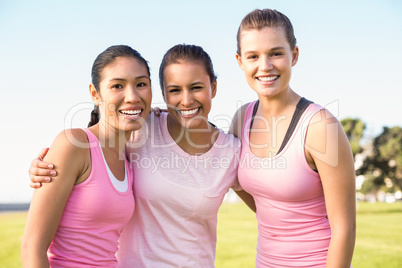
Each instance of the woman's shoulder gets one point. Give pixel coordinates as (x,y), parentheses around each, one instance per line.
(227,144)
(323,129)
(320,117)
(228,137)
(238,119)
(70,152)
(71,140)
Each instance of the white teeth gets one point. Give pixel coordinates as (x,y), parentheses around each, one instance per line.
(189,112)
(131,112)
(268,78)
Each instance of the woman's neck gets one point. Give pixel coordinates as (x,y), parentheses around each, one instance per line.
(192,140)
(111,138)
(279,104)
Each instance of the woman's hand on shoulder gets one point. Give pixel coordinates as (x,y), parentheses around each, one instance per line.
(157,111)
(68,154)
(40,171)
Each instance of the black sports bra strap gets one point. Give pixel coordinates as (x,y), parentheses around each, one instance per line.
(300,108)
(254,112)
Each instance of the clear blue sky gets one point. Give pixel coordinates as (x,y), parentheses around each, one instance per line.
(350,61)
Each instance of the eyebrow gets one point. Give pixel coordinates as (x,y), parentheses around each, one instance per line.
(253,51)
(277,48)
(192,84)
(123,79)
(196,83)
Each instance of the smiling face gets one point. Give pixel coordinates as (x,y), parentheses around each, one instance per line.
(267,60)
(188,93)
(125,94)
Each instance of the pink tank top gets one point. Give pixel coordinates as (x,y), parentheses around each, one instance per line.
(292,220)
(93,218)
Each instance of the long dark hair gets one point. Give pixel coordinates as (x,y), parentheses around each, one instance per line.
(104,59)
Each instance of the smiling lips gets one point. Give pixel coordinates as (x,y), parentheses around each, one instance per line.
(189,113)
(131,113)
(267,78)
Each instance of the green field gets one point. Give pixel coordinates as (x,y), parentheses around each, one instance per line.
(11,229)
(378,243)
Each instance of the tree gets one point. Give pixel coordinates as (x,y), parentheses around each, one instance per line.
(354,129)
(385,161)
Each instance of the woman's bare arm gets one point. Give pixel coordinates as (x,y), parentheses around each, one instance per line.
(328,147)
(48,202)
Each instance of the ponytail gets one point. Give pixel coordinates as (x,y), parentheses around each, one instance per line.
(95,116)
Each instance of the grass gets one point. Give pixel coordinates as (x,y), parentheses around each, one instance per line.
(379,235)
(11,229)
(378,243)
(237,237)
(378,239)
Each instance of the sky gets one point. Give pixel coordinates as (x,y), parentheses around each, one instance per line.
(350,62)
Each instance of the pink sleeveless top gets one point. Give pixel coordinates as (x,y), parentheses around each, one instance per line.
(93,218)
(292,220)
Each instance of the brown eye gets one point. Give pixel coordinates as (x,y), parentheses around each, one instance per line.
(173,90)
(117,86)
(276,54)
(142,84)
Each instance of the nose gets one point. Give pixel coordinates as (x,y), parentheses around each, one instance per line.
(187,98)
(265,63)
(131,95)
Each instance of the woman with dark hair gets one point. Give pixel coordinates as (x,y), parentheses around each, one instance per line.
(182,171)
(76,220)
(183,168)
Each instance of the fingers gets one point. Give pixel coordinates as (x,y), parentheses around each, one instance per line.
(39,163)
(36,181)
(157,111)
(43,153)
(36,185)
(39,171)
(39,178)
